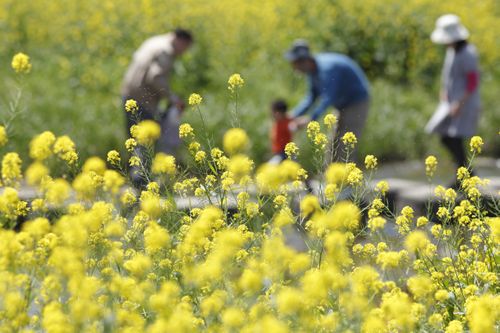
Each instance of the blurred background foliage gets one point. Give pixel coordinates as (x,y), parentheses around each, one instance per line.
(81,49)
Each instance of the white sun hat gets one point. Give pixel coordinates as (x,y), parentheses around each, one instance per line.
(449,30)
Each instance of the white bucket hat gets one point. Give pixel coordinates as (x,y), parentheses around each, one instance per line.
(449,30)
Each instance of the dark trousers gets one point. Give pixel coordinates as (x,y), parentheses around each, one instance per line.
(456,147)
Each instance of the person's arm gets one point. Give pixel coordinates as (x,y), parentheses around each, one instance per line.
(471,73)
(326,101)
(328,95)
(307,102)
(443,93)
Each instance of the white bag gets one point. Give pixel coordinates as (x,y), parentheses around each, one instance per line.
(439,118)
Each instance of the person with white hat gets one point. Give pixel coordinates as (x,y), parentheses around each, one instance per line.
(457,116)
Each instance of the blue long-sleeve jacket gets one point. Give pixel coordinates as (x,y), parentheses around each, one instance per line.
(338,82)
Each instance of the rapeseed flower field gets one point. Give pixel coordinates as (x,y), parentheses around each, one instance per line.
(86,252)
(81,49)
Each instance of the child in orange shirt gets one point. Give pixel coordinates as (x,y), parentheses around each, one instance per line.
(280,131)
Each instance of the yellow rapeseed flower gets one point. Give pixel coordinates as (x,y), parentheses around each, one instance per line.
(421,221)
(416,241)
(128,198)
(284,217)
(194,99)
(151,206)
(291,150)
(252,209)
(156,238)
(134,161)
(131,106)
(309,205)
(463,173)
(250,281)
(235,81)
(336,173)
(240,166)
(130,144)
(330,120)
(436,320)
(476,143)
(376,223)
(11,207)
(290,301)
(163,164)
(58,191)
(138,266)
(95,164)
(454,326)
(64,148)
(430,165)
(86,184)
(147,132)
(391,259)
(330,191)
(35,173)
(41,146)
(382,187)
(344,215)
(3,136)
(113,157)
(194,147)
(483,312)
(235,141)
(11,168)
(421,286)
(355,177)
(320,140)
(279,200)
(268,177)
(185,131)
(200,156)
(441,295)
(370,162)
(38,227)
(113,181)
(233,318)
(21,63)
(349,140)
(313,128)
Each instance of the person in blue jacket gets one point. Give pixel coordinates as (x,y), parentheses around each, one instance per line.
(333,80)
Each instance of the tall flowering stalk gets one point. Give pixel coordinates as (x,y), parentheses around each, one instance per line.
(195,101)
(22,66)
(235,82)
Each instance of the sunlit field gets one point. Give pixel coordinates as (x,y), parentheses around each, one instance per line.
(216,239)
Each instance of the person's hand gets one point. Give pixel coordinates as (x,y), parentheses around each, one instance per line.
(180,105)
(443,96)
(455,109)
(301,122)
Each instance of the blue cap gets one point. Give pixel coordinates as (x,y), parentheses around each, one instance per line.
(298,50)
